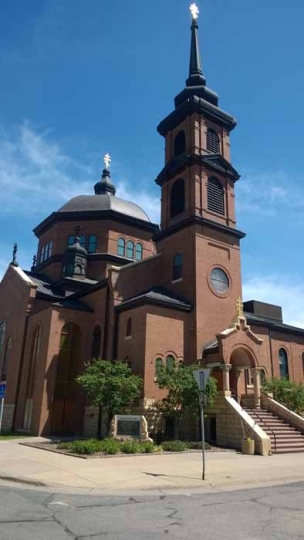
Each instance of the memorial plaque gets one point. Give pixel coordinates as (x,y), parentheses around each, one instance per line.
(128,426)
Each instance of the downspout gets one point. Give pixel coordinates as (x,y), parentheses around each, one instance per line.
(22,356)
(270,348)
(106,327)
(115,347)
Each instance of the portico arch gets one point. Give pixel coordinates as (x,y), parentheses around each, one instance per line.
(244,374)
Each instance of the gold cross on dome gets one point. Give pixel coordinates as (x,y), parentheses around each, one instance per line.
(107,161)
(239,307)
(194,11)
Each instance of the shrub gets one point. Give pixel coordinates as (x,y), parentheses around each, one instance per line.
(174,446)
(90,446)
(110,446)
(287,392)
(147,447)
(130,447)
(197,445)
(64,446)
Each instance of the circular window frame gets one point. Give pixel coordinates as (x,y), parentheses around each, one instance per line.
(217,293)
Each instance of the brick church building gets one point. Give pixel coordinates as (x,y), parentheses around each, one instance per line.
(107,282)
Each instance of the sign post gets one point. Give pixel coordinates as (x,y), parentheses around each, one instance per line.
(201,376)
(2,396)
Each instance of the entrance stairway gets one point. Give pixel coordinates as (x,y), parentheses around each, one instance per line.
(284,438)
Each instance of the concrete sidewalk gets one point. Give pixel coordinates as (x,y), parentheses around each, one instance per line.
(148,472)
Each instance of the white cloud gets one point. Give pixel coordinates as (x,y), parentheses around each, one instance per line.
(37,177)
(280,291)
(149,203)
(270,194)
(35,174)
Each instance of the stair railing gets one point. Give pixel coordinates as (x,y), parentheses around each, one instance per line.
(241,402)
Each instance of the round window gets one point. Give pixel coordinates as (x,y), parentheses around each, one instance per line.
(219,280)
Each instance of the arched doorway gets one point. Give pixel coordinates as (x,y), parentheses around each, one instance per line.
(31,374)
(243,376)
(66,416)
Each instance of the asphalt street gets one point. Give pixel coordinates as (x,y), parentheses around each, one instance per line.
(265,513)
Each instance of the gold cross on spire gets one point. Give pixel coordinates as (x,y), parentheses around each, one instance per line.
(239,308)
(194,11)
(107,161)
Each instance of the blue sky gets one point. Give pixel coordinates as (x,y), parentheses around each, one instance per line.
(80,78)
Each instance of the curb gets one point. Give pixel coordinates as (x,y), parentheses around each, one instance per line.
(21,480)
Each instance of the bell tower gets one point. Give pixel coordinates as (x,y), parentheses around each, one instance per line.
(198,202)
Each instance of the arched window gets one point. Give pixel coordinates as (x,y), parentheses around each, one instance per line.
(50,249)
(6,358)
(71,240)
(129,327)
(177,266)
(92,244)
(263,376)
(121,245)
(283,361)
(158,365)
(82,240)
(179,143)
(96,342)
(213,141)
(42,254)
(2,336)
(170,362)
(177,200)
(130,249)
(139,252)
(30,383)
(215,196)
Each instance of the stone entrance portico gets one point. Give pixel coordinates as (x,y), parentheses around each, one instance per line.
(236,355)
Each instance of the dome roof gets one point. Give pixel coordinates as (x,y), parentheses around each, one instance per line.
(104,200)
(102,203)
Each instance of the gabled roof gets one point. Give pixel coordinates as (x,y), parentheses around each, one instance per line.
(159,296)
(219,163)
(44,285)
(73,304)
(215,162)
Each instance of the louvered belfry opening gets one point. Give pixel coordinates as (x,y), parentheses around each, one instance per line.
(215,196)
(213,141)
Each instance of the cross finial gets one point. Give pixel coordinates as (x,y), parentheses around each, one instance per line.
(14,261)
(239,308)
(194,11)
(107,161)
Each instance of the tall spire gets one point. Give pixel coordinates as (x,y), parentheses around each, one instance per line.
(196,77)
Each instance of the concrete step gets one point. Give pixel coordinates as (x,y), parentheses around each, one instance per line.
(283,434)
(289,444)
(288,450)
(287,440)
(284,438)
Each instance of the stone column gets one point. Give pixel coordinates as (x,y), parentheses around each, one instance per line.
(226,378)
(257,387)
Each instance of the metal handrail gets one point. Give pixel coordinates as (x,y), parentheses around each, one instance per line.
(240,400)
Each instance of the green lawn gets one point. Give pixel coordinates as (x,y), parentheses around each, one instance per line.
(8,436)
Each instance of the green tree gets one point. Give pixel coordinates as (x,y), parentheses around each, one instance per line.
(111,386)
(183,393)
(286,392)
